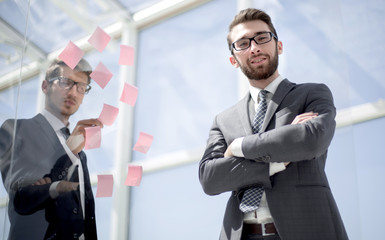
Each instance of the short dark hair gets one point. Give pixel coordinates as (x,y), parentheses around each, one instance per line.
(247,15)
(55,68)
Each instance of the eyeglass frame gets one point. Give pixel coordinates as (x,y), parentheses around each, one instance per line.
(271,34)
(60,78)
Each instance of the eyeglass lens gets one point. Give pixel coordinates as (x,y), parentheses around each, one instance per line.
(68,84)
(245,43)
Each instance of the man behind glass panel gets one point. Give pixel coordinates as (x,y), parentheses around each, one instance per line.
(43,166)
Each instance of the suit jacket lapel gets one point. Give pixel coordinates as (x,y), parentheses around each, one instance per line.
(46,129)
(283,89)
(243,113)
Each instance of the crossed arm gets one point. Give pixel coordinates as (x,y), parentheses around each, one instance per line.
(31,198)
(62,186)
(297,120)
(221,171)
(306,137)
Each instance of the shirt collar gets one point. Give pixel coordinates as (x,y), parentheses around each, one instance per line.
(55,123)
(271,88)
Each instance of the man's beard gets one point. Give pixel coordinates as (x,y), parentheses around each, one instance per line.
(261,72)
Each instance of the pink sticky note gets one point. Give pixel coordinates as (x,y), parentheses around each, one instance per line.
(108,114)
(105,185)
(93,137)
(101,75)
(144,143)
(126,55)
(99,39)
(71,55)
(129,94)
(134,175)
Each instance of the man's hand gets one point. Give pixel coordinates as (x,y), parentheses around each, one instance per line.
(228,152)
(42,181)
(304,117)
(65,186)
(76,140)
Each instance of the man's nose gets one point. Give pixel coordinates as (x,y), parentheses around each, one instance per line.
(254,47)
(72,90)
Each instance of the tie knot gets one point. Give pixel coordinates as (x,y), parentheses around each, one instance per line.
(66,132)
(262,95)
(260,112)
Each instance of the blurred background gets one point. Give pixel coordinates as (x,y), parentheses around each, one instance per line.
(184,79)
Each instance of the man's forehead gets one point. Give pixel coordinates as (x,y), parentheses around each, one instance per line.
(74,74)
(248,29)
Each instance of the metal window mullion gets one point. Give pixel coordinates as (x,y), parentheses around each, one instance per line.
(121,198)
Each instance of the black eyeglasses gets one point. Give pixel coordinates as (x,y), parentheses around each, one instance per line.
(67,84)
(260,38)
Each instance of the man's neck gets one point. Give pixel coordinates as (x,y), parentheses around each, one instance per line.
(61,117)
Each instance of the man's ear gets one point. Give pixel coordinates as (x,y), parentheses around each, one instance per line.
(280,47)
(233,61)
(44,86)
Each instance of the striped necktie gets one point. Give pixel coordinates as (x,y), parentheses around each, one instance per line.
(252,197)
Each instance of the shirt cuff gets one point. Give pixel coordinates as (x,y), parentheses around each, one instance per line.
(276,167)
(52,190)
(236,147)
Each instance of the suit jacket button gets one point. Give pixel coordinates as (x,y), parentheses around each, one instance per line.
(76,236)
(267,157)
(75,211)
(63,173)
(60,176)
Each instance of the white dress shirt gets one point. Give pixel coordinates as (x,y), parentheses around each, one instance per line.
(262,213)
(57,125)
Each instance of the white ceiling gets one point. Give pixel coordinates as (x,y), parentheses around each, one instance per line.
(33,31)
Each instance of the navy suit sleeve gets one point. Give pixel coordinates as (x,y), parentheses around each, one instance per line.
(31,198)
(6,133)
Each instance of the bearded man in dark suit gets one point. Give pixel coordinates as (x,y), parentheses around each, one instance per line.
(270,148)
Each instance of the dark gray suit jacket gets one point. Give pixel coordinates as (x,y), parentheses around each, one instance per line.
(299,198)
(64,213)
(36,150)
